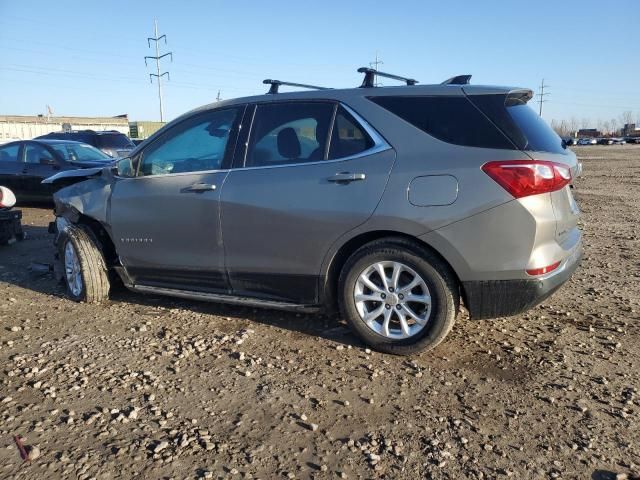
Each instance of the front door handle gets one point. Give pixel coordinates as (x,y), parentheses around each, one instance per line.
(201,187)
(347,177)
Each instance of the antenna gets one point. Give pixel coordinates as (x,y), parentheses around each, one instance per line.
(375,65)
(157,58)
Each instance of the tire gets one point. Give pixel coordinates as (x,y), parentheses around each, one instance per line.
(437,308)
(94,283)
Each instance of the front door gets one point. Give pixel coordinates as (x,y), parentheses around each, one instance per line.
(39,163)
(166,220)
(312,172)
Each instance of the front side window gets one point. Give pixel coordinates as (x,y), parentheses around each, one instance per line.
(348,137)
(195,145)
(37,154)
(9,153)
(286,133)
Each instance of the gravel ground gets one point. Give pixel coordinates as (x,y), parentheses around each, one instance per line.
(152,387)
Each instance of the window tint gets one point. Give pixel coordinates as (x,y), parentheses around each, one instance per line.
(113,140)
(348,137)
(9,153)
(450,119)
(195,145)
(34,153)
(79,152)
(289,133)
(519,122)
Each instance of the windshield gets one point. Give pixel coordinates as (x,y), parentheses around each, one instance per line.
(79,152)
(115,140)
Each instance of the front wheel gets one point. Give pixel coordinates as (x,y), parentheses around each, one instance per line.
(85,270)
(398,297)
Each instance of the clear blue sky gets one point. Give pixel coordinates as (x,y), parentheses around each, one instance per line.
(86,57)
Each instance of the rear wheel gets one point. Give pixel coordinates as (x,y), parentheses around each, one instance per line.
(398,297)
(85,271)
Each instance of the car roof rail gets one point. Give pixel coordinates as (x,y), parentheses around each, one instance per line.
(275,85)
(458,80)
(370,75)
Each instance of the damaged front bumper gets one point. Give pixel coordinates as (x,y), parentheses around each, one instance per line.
(10,226)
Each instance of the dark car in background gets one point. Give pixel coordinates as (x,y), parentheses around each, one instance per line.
(113,143)
(24,164)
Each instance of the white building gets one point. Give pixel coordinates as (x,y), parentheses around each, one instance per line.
(26,127)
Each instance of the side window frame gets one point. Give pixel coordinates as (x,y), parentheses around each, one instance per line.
(36,145)
(229,148)
(379,142)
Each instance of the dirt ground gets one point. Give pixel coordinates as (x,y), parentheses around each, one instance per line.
(152,387)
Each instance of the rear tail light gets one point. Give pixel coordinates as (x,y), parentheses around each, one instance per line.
(522,178)
(543,270)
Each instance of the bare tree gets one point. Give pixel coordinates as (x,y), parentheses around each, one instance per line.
(585,122)
(626,117)
(573,126)
(606,127)
(614,126)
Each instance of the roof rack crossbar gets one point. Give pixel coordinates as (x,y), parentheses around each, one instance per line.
(275,84)
(458,80)
(371,73)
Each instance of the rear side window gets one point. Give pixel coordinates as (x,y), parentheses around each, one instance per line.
(287,133)
(348,137)
(450,119)
(519,122)
(9,153)
(113,141)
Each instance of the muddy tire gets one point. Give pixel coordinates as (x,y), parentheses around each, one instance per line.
(398,297)
(84,270)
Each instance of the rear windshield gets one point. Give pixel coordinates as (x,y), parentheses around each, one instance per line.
(115,140)
(450,119)
(520,122)
(80,152)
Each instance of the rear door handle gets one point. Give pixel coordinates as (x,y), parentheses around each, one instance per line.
(347,177)
(201,187)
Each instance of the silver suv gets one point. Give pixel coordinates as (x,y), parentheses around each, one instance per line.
(394,204)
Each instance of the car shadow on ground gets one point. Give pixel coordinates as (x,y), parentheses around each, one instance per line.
(24,264)
(323,325)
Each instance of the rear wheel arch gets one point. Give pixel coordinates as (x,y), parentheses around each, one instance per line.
(329,288)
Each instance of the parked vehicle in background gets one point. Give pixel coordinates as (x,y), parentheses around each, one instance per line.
(393,204)
(10,226)
(24,164)
(605,141)
(632,139)
(587,141)
(618,141)
(571,141)
(113,143)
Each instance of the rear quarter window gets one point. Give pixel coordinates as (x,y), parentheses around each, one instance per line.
(450,119)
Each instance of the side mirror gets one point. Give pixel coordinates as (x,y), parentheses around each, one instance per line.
(124,167)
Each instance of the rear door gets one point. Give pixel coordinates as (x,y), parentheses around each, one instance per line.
(310,172)
(11,167)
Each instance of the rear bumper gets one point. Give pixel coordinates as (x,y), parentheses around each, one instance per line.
(503,298)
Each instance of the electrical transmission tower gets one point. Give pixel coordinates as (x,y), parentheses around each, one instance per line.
(542,94)
(374,65)
(157,58)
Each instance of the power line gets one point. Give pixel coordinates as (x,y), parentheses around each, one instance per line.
(374,65)
(157,58)
(542,94)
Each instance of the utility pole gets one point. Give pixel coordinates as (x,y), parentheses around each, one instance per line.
(157,58)
(218,97)
(374,65)
(542,94)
